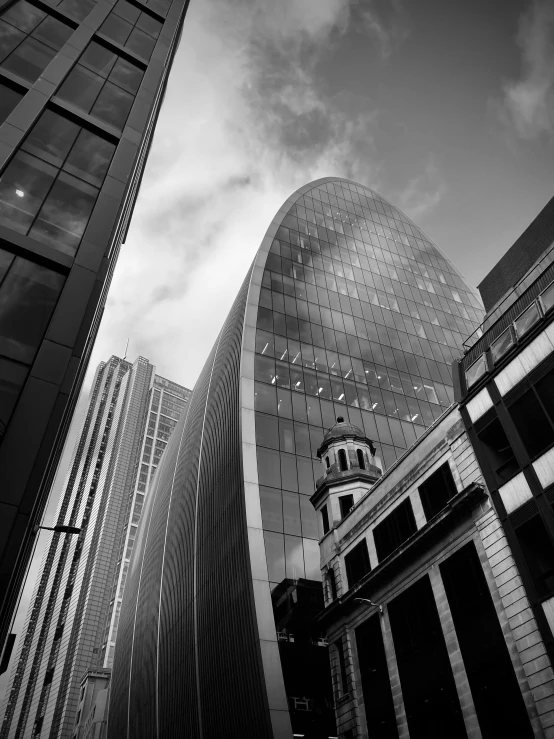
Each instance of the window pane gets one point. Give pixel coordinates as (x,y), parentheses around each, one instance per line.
(23,187)
(90,158)
(141,43)
(51,137)
(309,522)
(8,100)
(502,344)
(78,9)
(81,87)
(98,59)
(30,59)
(267,432)
(10,37)
(64,215)
(53,32)
(538,552)
(532,424)
(127,75)
(272,509)
(291,513)
(5,261)
(27,297)
(113,105)
(127,11)
(547,297)
(12,377)
(294,557)
(545,391)
(311,559)
(24,16)
(149,25)
(116,28)
(527,319)
(275,553)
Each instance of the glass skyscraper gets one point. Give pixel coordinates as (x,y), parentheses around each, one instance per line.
(81,85)
(348,310)
(72,621)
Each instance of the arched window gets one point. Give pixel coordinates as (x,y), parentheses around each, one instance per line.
(361,461)
(342,460)
(327,462)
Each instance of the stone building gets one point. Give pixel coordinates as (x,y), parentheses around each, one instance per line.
(431,632)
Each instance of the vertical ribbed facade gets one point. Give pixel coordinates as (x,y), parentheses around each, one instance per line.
(348,310)
(81,87)
(70,626)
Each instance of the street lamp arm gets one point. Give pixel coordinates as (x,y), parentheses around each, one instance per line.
(371,603)
(59,529)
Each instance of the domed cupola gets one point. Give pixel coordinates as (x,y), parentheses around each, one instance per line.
(350,468)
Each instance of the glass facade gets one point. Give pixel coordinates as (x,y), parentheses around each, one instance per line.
(348,310)
(76,123)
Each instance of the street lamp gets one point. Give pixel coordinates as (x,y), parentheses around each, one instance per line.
(371,603)
(59,529)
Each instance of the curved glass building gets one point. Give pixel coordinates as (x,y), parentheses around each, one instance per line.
(348,310)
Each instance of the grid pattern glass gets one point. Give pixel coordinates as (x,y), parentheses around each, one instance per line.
(30,39)
(132,28)
(359,316)
(49,188)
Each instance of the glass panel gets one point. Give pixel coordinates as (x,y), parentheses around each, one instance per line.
(116,28)
(272,509)
(24,16)
(294,557)
(81,87)
(127,75)
(12,377)
(547,297)
(113,105)
(27,298)
(23,187)
(149,25)
(502,344)
(8,100)
(64,215)
(53,32)
(476,371)
(98,59)
(10,37)
(30,59)
(527,319)
(141,43)
(90,158)
(51,137)
(78,9)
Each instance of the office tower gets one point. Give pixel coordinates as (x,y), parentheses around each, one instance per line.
(72,620)
(81,85)
(348,310)
(505,385)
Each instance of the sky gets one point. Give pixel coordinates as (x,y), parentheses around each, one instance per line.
(445,107)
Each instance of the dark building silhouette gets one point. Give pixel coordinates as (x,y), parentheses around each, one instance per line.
(505,383)
(348,310)
(81,85)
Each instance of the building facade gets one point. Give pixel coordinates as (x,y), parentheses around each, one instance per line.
(431,631)
(505,383)
(81,85)
(347,310)
(73,616)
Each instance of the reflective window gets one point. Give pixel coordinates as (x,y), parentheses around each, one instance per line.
(547,297)
(78,9)
(103,84)
(527,319)
(29,39)
(132,28)
(476,371)
(9,98)
(28,295)
(49,188)
(504,342)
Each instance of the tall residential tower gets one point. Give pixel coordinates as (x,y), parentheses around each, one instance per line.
(81,85)
(348,310)
(73,616)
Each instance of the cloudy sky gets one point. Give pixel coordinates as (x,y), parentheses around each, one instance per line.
(446,107)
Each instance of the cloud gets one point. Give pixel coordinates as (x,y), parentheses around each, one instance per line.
(422,193)
(246,121)
(527,107)
(385,22)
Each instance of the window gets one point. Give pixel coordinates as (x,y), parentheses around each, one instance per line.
(538,553)
(437,490)
(9,98)
(496,447)
(29,39)
(103,84)
(327,462)
(394,530)
(527,319)
(357,563)
(476,371)
(345,502)
(547,298)
(531,421)
(78,9)
(504,342)
(343,464)
(131,28)
(325,519)
(49,188)
(361,461)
